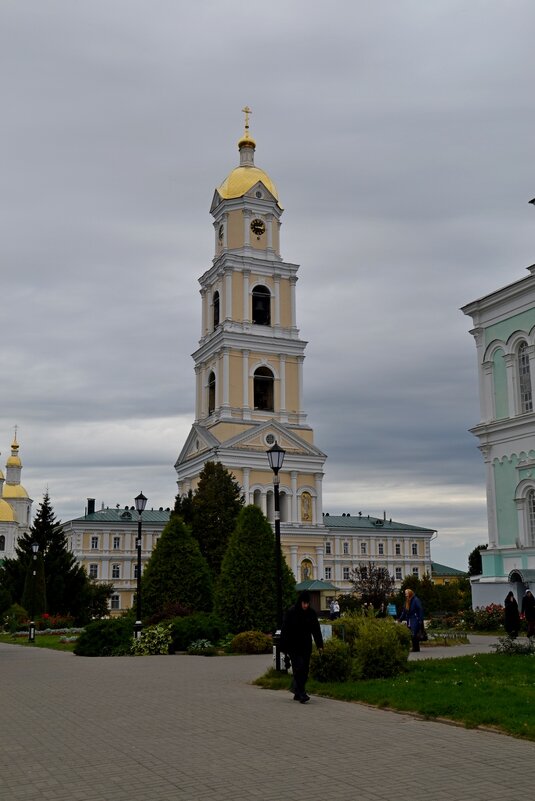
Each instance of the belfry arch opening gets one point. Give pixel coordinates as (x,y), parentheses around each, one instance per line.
(263,389)
(216,309)
(211,392)
(261,311)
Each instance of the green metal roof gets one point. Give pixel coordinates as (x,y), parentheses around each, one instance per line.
(315,585)
(444,570)
(126,516)
(367,522)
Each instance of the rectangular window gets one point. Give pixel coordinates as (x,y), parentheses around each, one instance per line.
(363,548)
(94,543)
(346,574)
(115,602)
(398,549)
(327,547)
(135,571)
(346,548)
(381,549)
(414,549)
(415,572)
(93,571)
(115,571)
(398,574)
(116,543)
(328,573)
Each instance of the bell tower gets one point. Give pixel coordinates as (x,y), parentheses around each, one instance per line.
(249,363)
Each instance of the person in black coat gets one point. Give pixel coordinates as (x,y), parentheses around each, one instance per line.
(528,610)
(512,616)
(299,627)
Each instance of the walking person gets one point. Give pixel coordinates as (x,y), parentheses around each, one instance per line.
(512,616)
(299,627)
(413,616)
(528,610)
(334,609)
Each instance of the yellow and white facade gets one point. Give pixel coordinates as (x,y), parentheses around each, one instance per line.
(249,363)
(15,504)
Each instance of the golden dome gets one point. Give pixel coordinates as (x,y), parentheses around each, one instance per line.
(14,461)
(241,179)
(6,512)
(14,491)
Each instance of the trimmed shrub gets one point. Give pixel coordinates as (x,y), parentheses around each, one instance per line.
(381,649)
(15,618)
(251,642)
(200,626)
(106,638)
(334,664)
(153,640)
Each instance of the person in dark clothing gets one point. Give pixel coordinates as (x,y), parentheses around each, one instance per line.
(413,616)
(512,616)
(299,627)
(528,610)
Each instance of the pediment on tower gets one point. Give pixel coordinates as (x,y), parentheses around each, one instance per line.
(259,438)
(199,440)
(216,200)
(260,189)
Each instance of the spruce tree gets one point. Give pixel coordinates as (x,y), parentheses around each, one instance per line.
(176,573)
(65,578)
(215,507)
(246,591)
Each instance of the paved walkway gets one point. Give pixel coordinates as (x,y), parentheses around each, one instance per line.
(190,728)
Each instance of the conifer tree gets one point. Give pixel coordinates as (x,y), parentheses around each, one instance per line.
(246,591)
(65,578)
(215,507)
(176,573)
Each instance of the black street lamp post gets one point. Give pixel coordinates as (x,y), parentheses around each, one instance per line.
(141,502)
(31,632)
(275,457)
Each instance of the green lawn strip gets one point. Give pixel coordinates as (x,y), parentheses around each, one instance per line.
(41,641)
(484,690)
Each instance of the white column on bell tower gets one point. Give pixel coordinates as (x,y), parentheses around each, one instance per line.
(277,298)
(246,274)
(226,377)
(228,294)
(293,321)
(245,388)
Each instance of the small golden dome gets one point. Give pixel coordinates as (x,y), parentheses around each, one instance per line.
(6,512)
(14,491)
(13,461)
(241,179)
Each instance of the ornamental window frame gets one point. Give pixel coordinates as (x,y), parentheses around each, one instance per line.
(525,388)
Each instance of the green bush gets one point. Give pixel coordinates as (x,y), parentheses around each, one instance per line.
(111,637)
(200,626)
(202,648)
(334,664)
(251,642)
(15,618)
(153,640)
(510,646)
(381,649)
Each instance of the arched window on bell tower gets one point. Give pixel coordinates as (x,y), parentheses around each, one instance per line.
(263,389)
(524,379)
(216,309)
(531,516)
(211,392)
(261,305)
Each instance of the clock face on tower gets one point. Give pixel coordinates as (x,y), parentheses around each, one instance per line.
(258,227)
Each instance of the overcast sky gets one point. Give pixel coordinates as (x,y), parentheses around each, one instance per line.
(400,137)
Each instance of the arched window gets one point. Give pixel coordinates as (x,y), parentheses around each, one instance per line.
(524,379)
(211,392)
(531,516)
(216,309)
(2,543)
(263,389)
(261,305)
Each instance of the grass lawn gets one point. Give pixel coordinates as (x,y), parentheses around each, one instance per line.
(493,690)
(41,641)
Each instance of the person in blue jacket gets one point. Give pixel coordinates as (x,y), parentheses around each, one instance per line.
(413,616)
